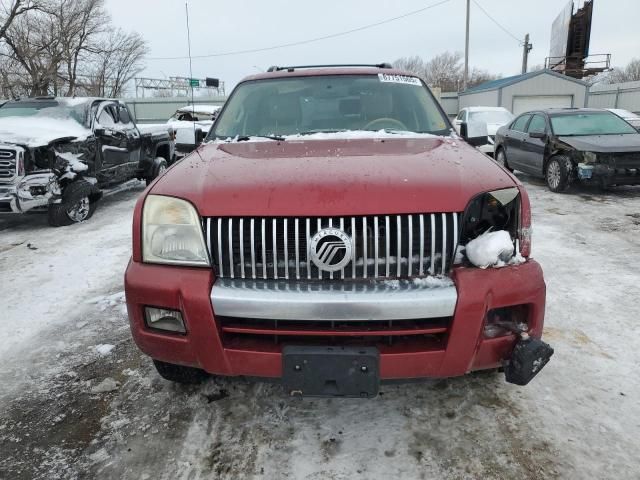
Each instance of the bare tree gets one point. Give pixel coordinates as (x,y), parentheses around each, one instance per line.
(118,63)
(68,47)
(630,73)
(413,64)
(10,10)
(444,70)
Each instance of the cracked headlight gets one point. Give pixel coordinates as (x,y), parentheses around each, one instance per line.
(589,157)
(496,210)
(171,233)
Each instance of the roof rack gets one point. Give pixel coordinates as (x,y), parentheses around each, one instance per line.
(291,68)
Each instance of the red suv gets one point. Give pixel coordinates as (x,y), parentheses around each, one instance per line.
(318,236)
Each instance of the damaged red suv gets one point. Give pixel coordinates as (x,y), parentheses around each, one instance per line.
(334,232)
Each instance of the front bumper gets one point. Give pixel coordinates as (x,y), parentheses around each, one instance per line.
(602,174)
(29,193)
(189,290)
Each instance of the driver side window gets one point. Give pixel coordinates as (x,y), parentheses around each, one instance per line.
(105,119)
(520,123)
(538,124)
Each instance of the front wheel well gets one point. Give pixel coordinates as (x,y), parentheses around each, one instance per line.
(163,151)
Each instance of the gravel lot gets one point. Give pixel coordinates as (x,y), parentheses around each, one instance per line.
(79,401)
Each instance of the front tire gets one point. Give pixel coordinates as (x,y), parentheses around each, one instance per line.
(179,373)
(558,173)
(501,159)
(159,169)
(78,205)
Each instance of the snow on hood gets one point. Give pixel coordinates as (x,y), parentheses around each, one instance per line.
(343,135)
(39,131)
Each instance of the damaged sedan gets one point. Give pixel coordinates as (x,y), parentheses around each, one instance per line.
(57,154)
(566,146)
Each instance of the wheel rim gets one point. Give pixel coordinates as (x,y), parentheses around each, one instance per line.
(161,170)
(553,174)
(501,158)
(79,211)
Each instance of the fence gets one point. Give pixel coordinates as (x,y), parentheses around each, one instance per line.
(620,95)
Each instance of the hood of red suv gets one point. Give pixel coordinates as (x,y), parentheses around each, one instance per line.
(333,177)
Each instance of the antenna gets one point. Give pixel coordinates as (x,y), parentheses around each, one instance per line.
(193,105)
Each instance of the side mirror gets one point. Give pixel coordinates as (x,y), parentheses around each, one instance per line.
(474,133)
(99,132)
(540,135)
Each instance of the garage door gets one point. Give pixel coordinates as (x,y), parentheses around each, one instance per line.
(538,102)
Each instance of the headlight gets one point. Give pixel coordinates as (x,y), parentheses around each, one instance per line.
(589,157)
(496,210)
(171,232)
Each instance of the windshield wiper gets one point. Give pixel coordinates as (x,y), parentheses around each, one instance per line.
(245,138)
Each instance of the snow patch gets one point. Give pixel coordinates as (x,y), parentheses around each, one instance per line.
(40,131)
(344,135)
(104,348)
(491,249)
(107,385)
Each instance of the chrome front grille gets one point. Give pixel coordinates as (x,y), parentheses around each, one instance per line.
(8,164)
(383,246)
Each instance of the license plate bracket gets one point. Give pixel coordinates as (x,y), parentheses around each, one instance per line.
(318,371)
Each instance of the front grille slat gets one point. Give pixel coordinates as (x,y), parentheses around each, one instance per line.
(253,248)
(8,164)
(388,246)
(433,244)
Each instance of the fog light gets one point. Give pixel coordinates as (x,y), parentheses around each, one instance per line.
(505,321)
(163,319)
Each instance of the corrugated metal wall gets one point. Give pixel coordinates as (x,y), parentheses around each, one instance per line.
(544,85)
(488,98)
(620,95)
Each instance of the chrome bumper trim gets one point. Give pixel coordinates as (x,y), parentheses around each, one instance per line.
(301,300)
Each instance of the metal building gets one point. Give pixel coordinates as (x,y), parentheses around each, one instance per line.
(531,91)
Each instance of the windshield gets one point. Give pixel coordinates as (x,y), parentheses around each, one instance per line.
(332,103)
(48,109)
(491,116)
(594,123)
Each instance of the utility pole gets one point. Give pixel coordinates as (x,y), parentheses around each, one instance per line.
(527,47)
(466,51)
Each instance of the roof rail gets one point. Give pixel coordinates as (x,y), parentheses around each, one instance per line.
(291,68)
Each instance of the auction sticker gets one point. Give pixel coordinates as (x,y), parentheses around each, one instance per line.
(385,77)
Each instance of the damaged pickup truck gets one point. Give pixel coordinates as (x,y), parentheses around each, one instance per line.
(56,154)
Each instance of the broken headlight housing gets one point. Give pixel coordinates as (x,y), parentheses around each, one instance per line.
(492,211)
(589,157)
(171,233)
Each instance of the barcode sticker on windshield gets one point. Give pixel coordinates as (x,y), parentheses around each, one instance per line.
(384,77)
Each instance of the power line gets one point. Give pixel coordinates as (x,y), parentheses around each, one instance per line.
(311,40)
(504,29)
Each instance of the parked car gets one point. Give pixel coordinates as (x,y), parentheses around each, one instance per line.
(314,237)
(569,145)
(57,153)
(492,117)
(630,117)
(190,125)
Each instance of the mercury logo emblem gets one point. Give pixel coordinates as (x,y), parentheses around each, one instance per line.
(330,249)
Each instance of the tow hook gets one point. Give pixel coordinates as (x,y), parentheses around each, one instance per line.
(529,356)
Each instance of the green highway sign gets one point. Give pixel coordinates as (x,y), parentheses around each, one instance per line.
(194,82)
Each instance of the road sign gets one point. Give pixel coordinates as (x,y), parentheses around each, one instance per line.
(194,82)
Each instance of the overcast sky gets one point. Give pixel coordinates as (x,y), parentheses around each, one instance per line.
(223,25)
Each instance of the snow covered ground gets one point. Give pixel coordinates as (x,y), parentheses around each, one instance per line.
(77,400)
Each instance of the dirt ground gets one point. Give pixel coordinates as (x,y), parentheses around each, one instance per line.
(78,400)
